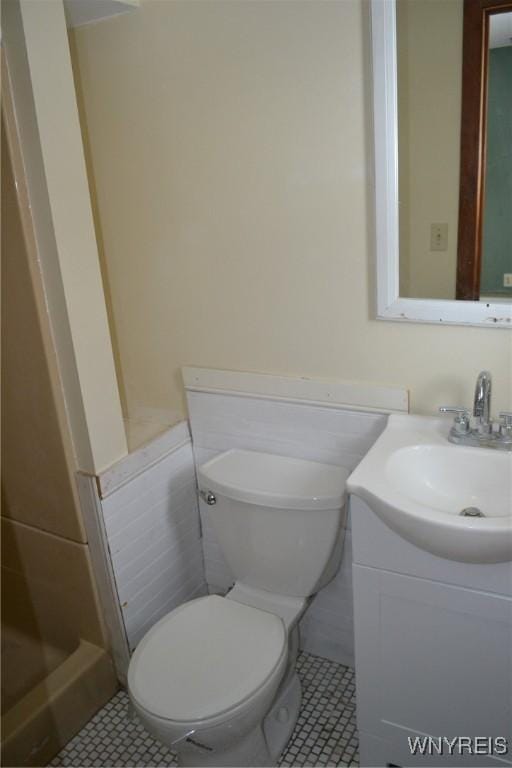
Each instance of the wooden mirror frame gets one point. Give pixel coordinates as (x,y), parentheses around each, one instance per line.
(473,143)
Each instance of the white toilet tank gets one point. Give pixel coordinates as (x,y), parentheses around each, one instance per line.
(279,521)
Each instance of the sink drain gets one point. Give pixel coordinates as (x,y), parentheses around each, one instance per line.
(472,512)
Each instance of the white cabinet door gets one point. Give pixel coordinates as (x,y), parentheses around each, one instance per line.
(431,659)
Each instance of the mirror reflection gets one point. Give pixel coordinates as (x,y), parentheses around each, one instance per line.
(440,192)
(496,260)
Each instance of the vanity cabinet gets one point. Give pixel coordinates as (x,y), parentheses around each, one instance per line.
(433,646)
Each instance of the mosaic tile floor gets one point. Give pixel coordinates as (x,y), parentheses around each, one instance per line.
(325,734)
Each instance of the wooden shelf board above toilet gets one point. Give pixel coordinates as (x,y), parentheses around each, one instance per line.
(80,12)
(350,395)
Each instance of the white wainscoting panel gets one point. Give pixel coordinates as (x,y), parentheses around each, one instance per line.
(151,521)
(331,434)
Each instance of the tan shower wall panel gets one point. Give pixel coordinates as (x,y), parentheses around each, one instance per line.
(37,481)
(57,575)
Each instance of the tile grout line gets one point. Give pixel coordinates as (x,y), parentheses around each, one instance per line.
(325,733)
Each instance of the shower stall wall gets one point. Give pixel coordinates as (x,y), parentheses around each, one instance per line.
(56,671)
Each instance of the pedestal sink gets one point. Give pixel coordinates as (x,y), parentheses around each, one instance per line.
(454,501)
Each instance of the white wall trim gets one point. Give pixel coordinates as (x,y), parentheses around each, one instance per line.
(351,395)
(102,567)
(144,457)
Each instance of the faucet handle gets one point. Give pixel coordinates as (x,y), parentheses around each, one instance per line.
(458,409)
(462,416)
(505,422)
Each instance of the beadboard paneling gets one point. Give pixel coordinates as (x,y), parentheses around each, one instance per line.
(329,434)
(152,527)
(332,435)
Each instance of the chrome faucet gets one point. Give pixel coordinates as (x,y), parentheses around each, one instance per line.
(483,435)
(482,402)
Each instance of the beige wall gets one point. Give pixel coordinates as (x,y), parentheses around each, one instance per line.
(429,53)
(230,155)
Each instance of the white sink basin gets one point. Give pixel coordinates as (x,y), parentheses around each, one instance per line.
(418,484)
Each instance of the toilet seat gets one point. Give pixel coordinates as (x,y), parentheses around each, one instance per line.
(205,659)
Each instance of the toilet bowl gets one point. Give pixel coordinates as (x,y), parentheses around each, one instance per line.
(203,678)
(215,679)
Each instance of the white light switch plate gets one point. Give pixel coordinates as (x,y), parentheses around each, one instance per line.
(438,237)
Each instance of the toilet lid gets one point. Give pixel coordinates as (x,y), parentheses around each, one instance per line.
(204,658)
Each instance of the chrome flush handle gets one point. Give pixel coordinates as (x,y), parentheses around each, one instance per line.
(208,497)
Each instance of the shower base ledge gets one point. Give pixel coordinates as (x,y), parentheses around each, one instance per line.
(36,728)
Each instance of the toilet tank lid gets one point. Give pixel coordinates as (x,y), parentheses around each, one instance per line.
(275,481)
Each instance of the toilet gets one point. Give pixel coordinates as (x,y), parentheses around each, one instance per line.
(215,679)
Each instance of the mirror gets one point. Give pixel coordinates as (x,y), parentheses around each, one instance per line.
(443,192)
